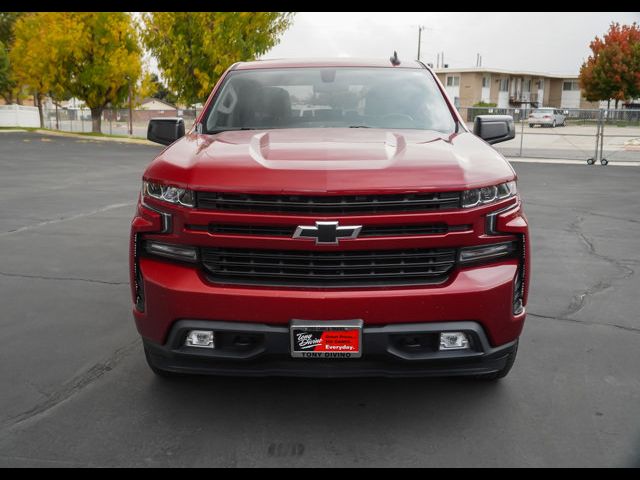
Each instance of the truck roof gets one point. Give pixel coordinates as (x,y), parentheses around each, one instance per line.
(325,62)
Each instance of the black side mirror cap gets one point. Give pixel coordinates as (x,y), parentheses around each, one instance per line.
(494,128)
(165,130)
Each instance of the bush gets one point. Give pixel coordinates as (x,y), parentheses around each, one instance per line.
(484,104)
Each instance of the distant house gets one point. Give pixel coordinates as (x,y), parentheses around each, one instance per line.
(510,88)
(149,107)
(156,104)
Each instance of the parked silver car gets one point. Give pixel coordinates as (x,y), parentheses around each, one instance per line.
(547,117)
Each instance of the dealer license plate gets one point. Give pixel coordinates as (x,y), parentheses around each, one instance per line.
(329,339)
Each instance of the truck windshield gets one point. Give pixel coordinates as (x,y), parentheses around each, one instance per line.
(329,97)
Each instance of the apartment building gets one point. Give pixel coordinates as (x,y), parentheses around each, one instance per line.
(510,88)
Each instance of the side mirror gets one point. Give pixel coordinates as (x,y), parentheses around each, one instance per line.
(494,128)
(165,130)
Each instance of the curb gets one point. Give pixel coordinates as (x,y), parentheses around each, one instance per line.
(560,161)
(138,141)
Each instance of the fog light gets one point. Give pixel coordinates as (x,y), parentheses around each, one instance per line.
(200,338)
(171,250)
(453,341)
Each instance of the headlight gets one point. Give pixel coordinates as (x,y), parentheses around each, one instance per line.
(168,193)
(489,252)
(486,195)
(171,250)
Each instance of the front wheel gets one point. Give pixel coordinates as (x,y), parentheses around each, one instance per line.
(505,370)
(157,370)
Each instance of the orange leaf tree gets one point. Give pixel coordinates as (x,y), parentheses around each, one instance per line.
(612,71)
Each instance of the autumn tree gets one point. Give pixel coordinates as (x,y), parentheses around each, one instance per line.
(93,56)
(36,55)
(8,85)
(194,48)
(612,71)
(102,62)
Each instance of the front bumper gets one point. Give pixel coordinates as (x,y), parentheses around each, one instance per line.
(250,349)
(482,294)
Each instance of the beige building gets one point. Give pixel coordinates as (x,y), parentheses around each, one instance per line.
(508,88)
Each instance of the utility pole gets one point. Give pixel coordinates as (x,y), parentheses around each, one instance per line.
(130,110)
(420,28)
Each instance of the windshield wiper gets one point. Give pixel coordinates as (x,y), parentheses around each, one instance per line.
(232,129)
(359,126)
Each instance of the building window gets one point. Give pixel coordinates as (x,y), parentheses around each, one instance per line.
(570,85)
(504,85)
(527,86)
(486,80)
(453,81)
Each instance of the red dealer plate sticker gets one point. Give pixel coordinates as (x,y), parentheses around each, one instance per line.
(329,339)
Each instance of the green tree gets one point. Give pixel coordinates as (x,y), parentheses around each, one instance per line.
(6,82)
(160,91)
(612,71)
(7,20)
(194,48)
(8,86)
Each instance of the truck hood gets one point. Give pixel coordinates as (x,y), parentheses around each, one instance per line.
(330,160)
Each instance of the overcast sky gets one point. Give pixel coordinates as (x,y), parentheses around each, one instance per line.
(541,42)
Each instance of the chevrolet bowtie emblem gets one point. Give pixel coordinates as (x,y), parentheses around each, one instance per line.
(327,232)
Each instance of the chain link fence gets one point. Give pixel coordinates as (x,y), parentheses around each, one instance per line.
(113,121)
(602,135)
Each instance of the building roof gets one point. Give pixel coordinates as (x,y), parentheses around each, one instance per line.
(502,71)
(152,99)
(326,62)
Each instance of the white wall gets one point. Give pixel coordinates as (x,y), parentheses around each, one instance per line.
(19,116)
(453,92)
(570,99)
(503,99)
(541,94)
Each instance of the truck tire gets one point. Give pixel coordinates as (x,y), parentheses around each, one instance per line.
(159,371)
(493,376)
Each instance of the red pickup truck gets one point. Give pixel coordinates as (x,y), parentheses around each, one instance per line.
(330,218)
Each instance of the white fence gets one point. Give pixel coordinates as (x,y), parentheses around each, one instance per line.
(19,116)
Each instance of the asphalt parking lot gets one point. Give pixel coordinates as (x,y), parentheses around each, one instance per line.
(75,389)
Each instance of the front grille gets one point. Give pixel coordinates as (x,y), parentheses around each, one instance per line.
(367,231)
(315,204)
(328,269)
